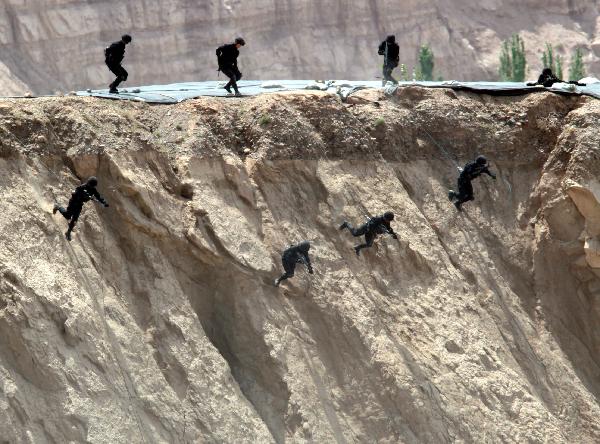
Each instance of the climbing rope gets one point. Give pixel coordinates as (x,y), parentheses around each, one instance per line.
(451,158)
(446,153)
(100,309)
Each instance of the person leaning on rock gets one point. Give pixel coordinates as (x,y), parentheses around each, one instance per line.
(227,56)
(547,79)
(471,171)
(114,55)
(82,194)
(374,227)
(295,254)
(390,51)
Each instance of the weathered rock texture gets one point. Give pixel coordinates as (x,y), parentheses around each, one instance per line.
(56,45)
(159,321)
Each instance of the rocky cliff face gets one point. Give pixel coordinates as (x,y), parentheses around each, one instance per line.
(159,321)
(57,45)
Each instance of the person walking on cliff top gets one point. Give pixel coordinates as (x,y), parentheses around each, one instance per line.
(82,194)
(295,254)
(471,171)
(390,51)
(227,56)
(374,227)
(114,55)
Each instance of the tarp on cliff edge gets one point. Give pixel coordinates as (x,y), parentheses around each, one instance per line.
(178,92)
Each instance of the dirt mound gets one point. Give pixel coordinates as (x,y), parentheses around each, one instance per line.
(159,321)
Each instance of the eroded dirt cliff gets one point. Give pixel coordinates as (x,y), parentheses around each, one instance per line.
(159,321)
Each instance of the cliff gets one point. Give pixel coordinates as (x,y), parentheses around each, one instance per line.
(159,321)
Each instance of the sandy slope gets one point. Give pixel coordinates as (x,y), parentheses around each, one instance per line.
(159,323)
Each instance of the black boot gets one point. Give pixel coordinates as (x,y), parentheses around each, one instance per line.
(55,209)
(458,204)
(451,195)
(344,225)
(68,235)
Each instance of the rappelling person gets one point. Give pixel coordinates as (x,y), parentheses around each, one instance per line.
(227,58)
(390,51)
(374,227)
(547,79)
(471,171)
(295,254)
(82,194)
(114,55)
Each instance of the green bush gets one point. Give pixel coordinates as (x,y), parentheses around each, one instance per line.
(426,63)
(513,62)
(265,119)
(554,63)
(577,69)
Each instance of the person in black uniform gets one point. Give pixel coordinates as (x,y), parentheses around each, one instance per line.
(227,58)
(293,255)
(471,171)
(114,55)
(82,194)
(547,79)
(390,51)
(374,227)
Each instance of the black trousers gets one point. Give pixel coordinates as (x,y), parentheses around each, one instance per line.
(234,75)
(363,230)
(387,73)
(119,71)
(465,191)
(72,212)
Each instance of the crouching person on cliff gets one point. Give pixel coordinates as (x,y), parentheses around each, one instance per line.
(548,79)
(374,227)
(296,254)
(471,171)
(82,194)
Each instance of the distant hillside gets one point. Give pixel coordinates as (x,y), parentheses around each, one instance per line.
(51,45)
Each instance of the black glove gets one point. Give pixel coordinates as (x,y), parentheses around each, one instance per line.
(105,204)
(310,271)
(394,235)
(494,176)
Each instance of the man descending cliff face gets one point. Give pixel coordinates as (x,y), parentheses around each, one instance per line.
(547,79)
(294,255)
(390,51)
(82,194)
(374,227)
(227,58)
(114,55)
(471,171)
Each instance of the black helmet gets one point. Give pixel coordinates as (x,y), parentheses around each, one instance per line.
(126,38)
(92,181)
(388,215)
(546,72)
(481,160)
(391,39)
(304,246)
(240,41)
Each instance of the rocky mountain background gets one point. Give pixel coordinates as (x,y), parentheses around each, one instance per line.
(56,45)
